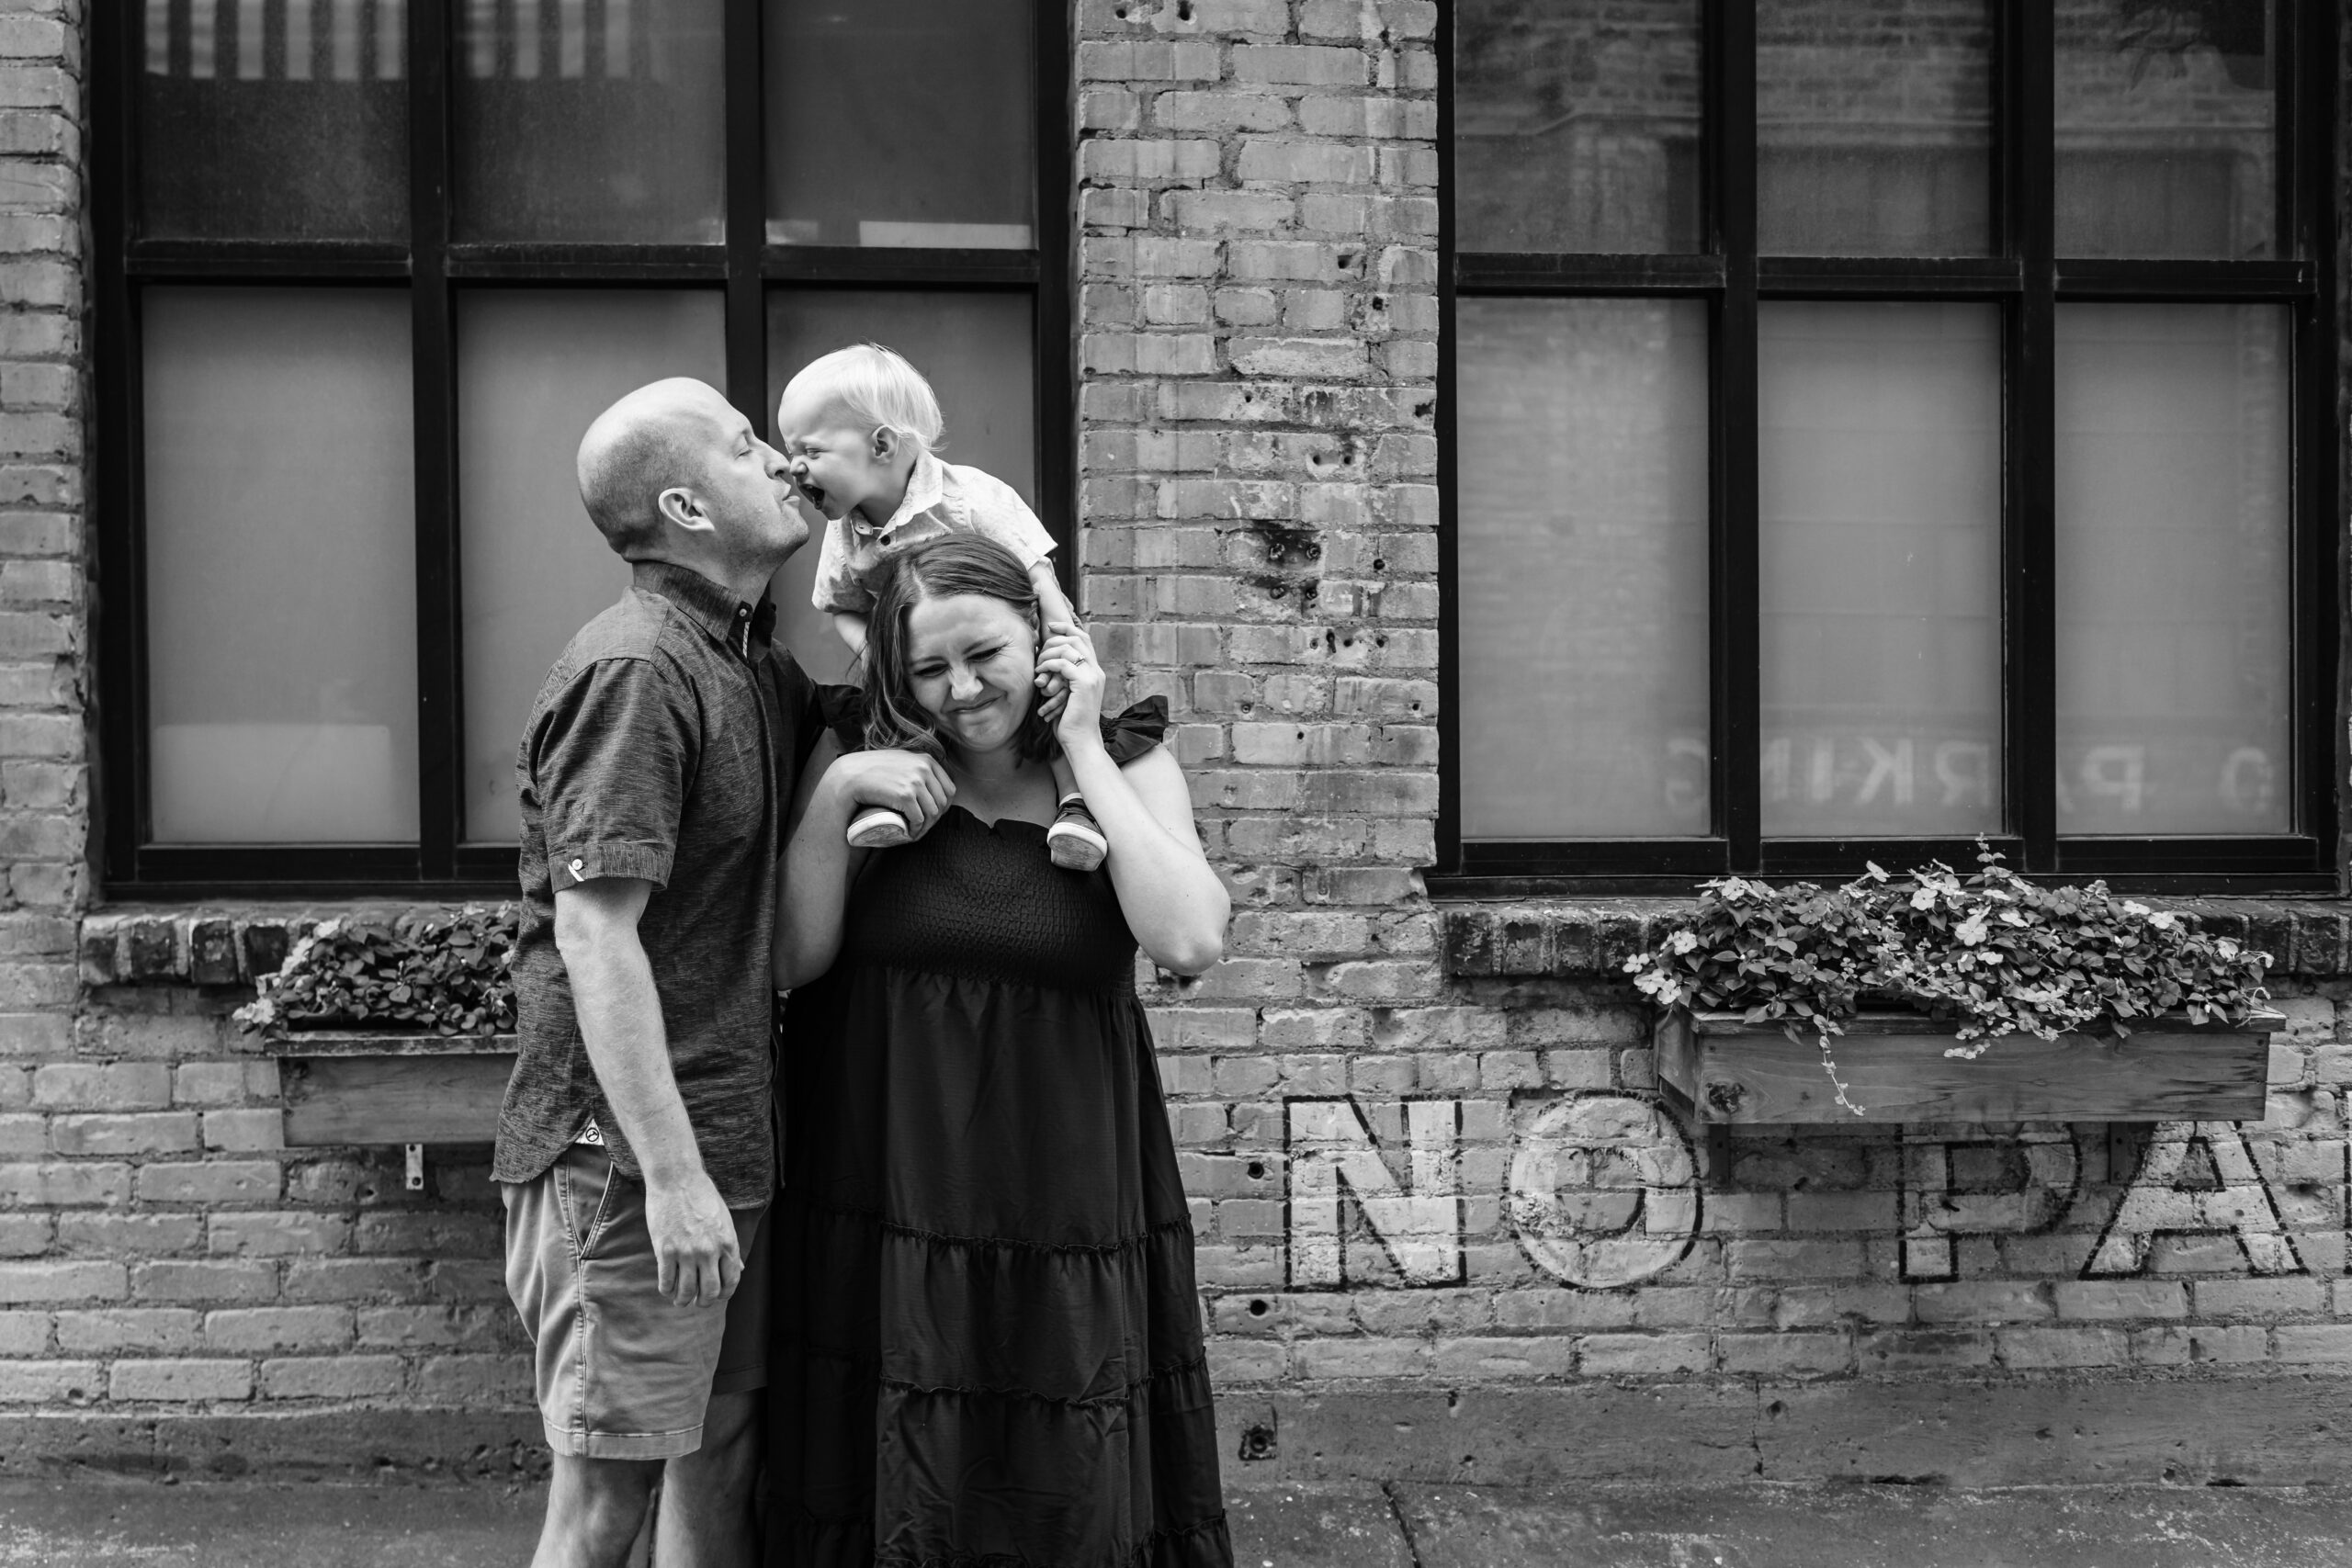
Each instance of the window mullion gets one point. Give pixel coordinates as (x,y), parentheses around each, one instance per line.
(1732,582)
(440,718)
(747,349)
(2316,102)
(2030,526)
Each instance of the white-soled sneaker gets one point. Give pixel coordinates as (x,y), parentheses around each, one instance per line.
(878,828)
(1075,839)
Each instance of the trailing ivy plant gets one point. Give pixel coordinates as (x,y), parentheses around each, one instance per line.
(449,973)
(1993,952)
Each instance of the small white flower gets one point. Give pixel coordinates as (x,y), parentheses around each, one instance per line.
(2164,920)
(2130,907)
(1682,942)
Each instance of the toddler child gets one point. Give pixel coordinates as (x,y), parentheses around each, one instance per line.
(862,428)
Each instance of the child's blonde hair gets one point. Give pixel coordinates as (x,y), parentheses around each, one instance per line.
(879,387)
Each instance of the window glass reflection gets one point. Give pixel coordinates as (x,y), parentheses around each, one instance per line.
(1583,561)
(1879,480)
(901,123)
(590,120)
(1873,128)
(2167,138)
(281,565)
(1576,126)
(284,120)
(533,367)
(974,349)
(2175,569)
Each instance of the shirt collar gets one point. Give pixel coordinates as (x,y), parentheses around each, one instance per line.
(927,483)
(739,626)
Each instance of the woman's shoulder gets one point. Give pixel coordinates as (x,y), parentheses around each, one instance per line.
(1136,731)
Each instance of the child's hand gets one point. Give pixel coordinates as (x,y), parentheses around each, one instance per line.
(1053,691)
(1068,655)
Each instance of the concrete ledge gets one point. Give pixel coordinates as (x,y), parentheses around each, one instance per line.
(2108,1430)
(2270,1431)
(349,1442)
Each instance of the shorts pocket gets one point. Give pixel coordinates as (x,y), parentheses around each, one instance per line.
(584,1182)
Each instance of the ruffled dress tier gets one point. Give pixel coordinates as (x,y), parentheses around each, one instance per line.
(989,1348)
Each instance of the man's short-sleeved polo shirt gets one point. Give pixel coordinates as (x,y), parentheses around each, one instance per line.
(662,747)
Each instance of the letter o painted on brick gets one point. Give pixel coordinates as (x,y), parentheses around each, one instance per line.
(1604,1190)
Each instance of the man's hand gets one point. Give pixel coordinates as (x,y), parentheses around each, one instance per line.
(696,1259)
(913,786)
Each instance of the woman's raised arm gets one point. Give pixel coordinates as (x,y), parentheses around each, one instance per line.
(1174,902)
(819,865)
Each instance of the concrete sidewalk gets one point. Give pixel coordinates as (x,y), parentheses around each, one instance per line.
(99,1522)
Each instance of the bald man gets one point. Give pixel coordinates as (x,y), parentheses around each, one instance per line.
(635,1150)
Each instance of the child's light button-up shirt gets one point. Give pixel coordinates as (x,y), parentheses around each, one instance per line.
(942,498)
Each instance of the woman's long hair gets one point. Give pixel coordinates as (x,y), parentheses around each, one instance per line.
(939,569)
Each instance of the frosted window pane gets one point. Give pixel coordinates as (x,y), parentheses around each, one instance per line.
(2175,562)
(1873,128)
(901,123)
(1583,559)
(279,121)
(1576,126)
(533,367)
(281,565)
(1879,457)
(975,351)
(2168,129)
(590,120)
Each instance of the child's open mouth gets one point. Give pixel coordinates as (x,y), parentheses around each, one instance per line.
(813,494)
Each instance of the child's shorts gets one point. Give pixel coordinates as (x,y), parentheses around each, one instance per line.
(622,1372)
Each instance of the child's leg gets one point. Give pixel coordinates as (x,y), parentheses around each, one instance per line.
(1075,839)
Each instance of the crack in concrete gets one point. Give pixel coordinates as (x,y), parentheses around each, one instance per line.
(1404,1525)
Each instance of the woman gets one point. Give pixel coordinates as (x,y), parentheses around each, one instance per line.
(988,1345)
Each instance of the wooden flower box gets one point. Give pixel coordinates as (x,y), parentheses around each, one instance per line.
(373,1087)
(1727,1072)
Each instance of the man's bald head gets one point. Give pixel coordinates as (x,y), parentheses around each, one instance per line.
(658,438)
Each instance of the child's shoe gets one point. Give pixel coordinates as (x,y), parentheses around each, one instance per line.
(880,828)
(1075,840)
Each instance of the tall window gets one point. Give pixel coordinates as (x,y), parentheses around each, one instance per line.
(1870,427)
(367,269)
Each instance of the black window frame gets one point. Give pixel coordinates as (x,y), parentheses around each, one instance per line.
(434,270)
(2027,280)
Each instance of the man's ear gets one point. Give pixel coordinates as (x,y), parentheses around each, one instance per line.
(681,507)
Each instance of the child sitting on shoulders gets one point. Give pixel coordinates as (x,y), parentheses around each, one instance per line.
(862,428)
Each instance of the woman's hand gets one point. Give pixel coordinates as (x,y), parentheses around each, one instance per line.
(1068,655)
(908,783)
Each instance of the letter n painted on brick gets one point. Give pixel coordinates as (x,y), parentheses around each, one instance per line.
(1334,1160)
(2197,1178)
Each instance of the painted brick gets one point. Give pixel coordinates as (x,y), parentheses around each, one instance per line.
(277,1328)
(91,1279)
(49,1383)
(181,1380)
(121,1086)
(138,1329)
(211,1182)
(332,1377)
(1645,1355)
(204,1281)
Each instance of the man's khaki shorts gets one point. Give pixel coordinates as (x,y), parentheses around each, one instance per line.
(622,1372)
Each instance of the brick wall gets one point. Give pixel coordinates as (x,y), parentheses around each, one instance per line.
(1444,1229)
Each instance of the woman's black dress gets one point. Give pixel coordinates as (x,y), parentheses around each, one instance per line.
(988,1348)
